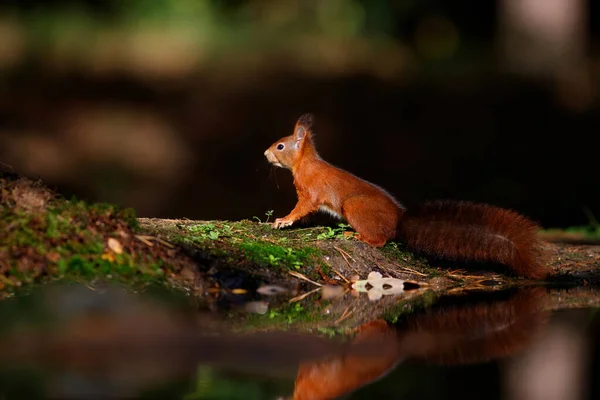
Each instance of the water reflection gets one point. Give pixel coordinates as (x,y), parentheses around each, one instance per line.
(78,342)
(460,330)
(110,343)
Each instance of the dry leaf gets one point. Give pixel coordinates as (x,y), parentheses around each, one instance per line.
(109,257)
(53,256)
(376,286)
(115,246)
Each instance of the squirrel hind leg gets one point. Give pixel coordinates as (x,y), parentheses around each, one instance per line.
(371,241)
(374,225)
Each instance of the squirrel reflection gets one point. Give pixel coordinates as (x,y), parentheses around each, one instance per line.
(463,330)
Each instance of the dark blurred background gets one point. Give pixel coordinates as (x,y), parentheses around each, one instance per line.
(168,105)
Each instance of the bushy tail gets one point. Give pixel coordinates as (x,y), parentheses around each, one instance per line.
(471,232)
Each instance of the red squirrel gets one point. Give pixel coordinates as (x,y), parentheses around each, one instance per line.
(446,230)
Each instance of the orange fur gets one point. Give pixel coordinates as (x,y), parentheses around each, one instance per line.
(336,376)
(454,231)
(370,210)
(470,330)
(464,231)
(474,329)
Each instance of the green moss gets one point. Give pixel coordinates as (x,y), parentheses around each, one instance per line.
(305,315)
(591,231)
(343,231)
(253,242)
(398,251)
(333,332)
(60,238)
(277,256)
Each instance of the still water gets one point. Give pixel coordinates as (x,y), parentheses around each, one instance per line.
(105,342)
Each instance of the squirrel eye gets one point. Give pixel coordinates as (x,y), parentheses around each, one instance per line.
(280,146)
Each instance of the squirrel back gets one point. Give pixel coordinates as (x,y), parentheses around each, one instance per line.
(446,230)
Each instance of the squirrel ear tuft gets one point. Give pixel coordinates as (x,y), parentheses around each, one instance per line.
(299,133)
(305,120)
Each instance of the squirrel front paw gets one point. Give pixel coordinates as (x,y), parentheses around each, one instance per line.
(282,223)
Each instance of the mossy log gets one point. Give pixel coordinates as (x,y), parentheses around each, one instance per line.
(46,237)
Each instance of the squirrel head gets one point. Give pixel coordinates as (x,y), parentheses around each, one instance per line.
(287,151)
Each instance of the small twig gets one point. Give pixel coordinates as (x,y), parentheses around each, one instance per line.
(456,274)
(412,270)
(300,276)
(91,287)
(344,315)
(325,277)
(387,271)
(421,285)
(343,254)
(303,296)
(456,271)
(165,243)
(460,274)
(339,274)
(456,290)
(144,239)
